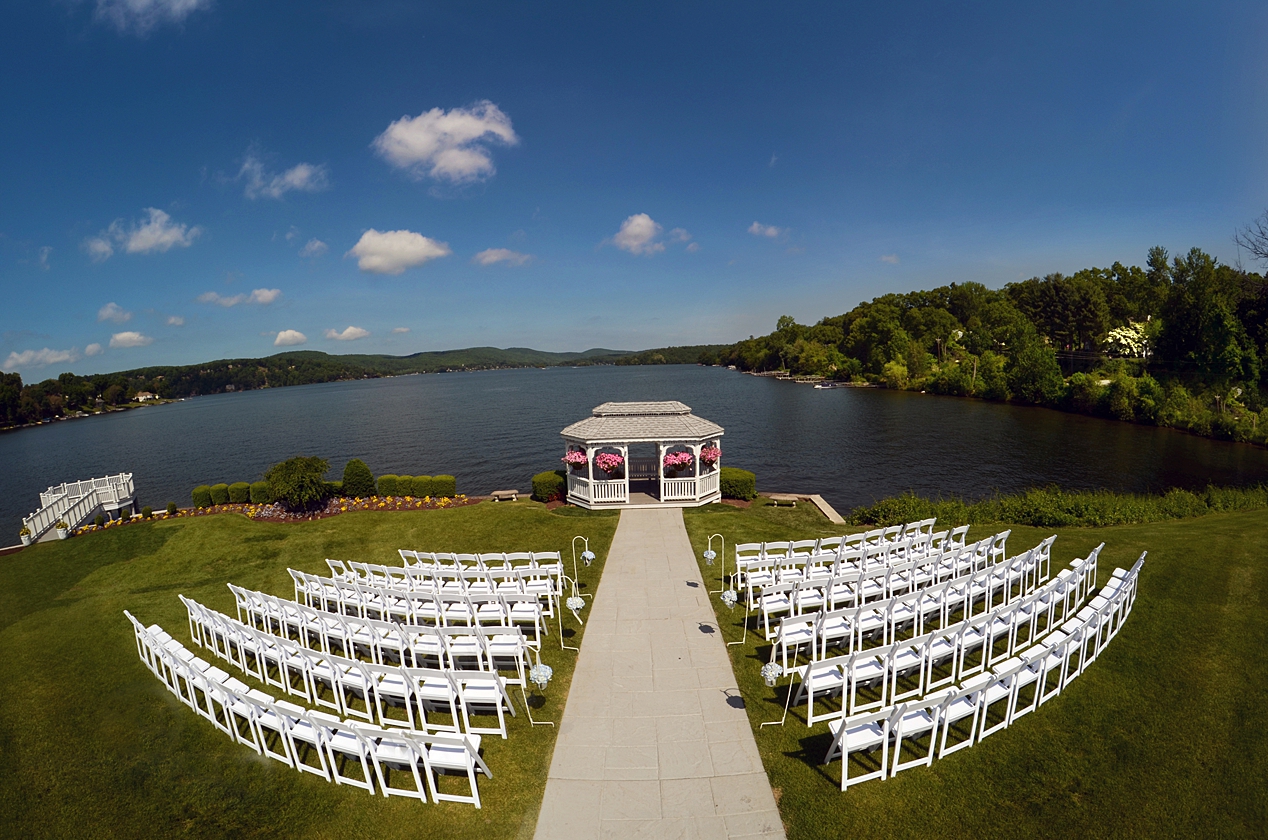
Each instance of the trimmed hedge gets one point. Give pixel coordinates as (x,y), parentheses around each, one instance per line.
(421,486)
(171,508)
(444,485)
(201,496)
(147,512)
(220,494)
(736,483)
(387,485)
(358,481)
(405,485)
(333,488)
(260,493)
(239,493)
(549,486)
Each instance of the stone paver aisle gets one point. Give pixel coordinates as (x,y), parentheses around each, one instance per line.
(654,740)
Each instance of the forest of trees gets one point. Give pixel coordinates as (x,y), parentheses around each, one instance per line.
(1182,342)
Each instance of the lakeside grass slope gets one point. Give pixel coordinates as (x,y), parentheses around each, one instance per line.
(93,744)
(1163,736)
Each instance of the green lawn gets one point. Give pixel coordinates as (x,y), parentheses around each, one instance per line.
(1163,736)
(93,745)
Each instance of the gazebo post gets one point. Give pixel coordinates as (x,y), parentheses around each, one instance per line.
(695,465)
(625,453)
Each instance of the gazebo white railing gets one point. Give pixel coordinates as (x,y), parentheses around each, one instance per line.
(611,431)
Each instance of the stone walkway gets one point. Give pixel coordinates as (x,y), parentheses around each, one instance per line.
(655,742)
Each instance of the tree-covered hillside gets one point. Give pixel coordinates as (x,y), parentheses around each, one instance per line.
(1180,342)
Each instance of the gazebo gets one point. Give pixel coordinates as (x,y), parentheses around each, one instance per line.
(643,454)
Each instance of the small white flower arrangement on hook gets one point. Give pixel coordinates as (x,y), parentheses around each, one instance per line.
(729,598)
(539,675)
(587,556)
(771,672)
(709,556)
(574,603)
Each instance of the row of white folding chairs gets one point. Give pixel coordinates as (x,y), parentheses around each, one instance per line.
(450,581)
(423,607)
(291,734)
(489,560)
(843,556)
(928,609)
(928,568)
(383,642)
(965,712)
(915,662)
(1025,571)
(378,688)
(830,545)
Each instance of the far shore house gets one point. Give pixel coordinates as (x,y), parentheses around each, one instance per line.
(146,396)
(643,454)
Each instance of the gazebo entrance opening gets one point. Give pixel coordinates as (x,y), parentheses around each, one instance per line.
(643,454)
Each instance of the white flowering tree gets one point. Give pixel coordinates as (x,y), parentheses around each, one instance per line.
(1129,342)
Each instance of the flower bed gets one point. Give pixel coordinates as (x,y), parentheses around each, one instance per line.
(278,513)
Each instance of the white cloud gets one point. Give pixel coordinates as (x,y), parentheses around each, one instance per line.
(93,349)
(302,177)
(175,321)
(158,233)
(39,358)
(679,235)
(447,145)
(773,157)
(399,330)
(892,259)
(769,231)
(99,248)
(638,235)
(314,248)
(693,247)
(350,334)
(130,339)
(113,312)
(493,256)
(289,338)
(45,251)
(140,16)
(393,251)
(260,296)
(292,234)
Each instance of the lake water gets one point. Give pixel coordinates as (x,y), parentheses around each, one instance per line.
(495,429)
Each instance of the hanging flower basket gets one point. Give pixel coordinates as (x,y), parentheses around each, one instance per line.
(539,675)
(610,463)
(709,457)
(587,557)
(576,459)
(676,462)
(729,598)
(771,672)
(709,556)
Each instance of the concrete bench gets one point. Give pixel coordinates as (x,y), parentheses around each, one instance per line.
(506,495)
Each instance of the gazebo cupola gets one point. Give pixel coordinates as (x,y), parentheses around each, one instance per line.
(643,453)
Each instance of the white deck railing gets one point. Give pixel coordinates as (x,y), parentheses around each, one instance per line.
(597,491)
(75,501)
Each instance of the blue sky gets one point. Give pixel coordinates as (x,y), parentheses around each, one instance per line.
(183,180)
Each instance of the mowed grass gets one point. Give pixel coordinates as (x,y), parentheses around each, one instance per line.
(1163,736)
(93,745)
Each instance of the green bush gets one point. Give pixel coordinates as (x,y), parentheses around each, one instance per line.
(421,486)
(171,508)
(125,514)
(334,489)
(298,482)
(549,486)
(239,493)
(444,485)
(201,496)
(260,493)
(736,483)
(147,512)
(358,481)
(387,485)
(220,494)
(99,520)
(404,485)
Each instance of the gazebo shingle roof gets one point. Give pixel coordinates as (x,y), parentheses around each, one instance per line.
(642,421)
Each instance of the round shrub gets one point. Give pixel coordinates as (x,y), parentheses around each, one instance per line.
(736,483)
(171,508)
(201,496)
(260,493)
(444,485)
(404,485)
(220,494)
(549,486)
(358,481)
(298,482)
(387,485)
(125,514)
(421,486)
(99,521)
(239,493)
(147,512)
